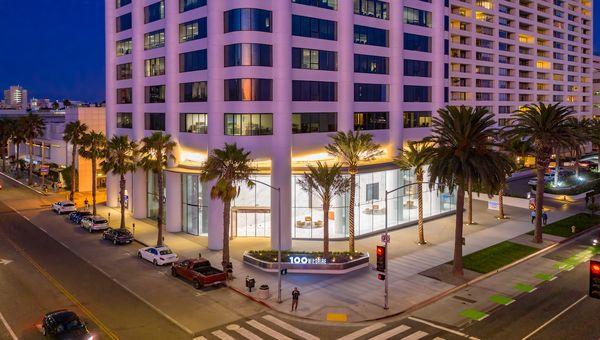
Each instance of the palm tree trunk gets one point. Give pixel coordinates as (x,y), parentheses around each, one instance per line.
(94,180)
(30,180)
(457,268)
(226,217)
(74,154)
(420,207)
(539,204)
(159,218)
(556,169)
(18,165)
(351,212)
(4,158)
(501,202)
(326,229)
(470,205)
(122,195)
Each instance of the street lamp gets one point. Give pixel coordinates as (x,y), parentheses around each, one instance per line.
(278,236)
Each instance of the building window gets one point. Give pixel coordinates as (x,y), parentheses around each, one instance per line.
(370,92)
(415,42)
(371,121)
(247,19)
(314,28)
(193,123)
(124,120)
(308,90)
(154,121)
(417,119)
(328,4)
(193,92)
(308,59)
(188,5)
(192,61)
(418,17)
(124,71)
(248,55)
(121,3)
(370,64)
(413,93)
(417,68)
(154,67)
(123,47)
(154,12)
(123,22)
(371,36)
(154,39)
(248,124)
(248,89)
(192,30)
(154,94)
(372,191)
(311,122)
(372,8)
(124,96)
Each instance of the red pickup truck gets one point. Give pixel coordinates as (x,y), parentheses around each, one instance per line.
(199,272)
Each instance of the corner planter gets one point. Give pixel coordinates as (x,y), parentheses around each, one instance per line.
(307,264)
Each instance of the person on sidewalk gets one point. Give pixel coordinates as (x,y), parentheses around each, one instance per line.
(86,204)
(295,296)
(532,216)
(544,218)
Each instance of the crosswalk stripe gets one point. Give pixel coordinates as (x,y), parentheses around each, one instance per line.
(243,332)
(222,335)
(364,331)
(200,338)
(438,338)
(391,333)
(416,336)
(267,330)
(290,328)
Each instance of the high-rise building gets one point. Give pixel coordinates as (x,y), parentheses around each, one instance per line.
(278,77)
(505,54)
(15,98)
(596,87)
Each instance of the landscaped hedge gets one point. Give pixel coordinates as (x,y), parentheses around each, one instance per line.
(576,190)
(334,256)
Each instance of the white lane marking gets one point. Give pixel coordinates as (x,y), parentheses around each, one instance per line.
(243,332)
(10,331)
(357,334)
(438,338)
(5,261)
(554,318)
(416,335)
(290,328)
(391,333)
(222,335)
(203,338)
(267,330)
(442,328)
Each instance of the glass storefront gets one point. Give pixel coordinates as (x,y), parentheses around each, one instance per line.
(251,210)
(194,217)
(152,196)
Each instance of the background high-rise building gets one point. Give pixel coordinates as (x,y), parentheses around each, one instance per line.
(15,98)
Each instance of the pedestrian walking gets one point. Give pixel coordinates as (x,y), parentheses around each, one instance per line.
(86,203)
(532,216)
(544,218)
(295,296)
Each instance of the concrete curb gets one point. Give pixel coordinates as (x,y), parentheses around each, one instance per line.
(22,184)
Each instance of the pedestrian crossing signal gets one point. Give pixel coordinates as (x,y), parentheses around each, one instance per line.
(381,277)
(284,271)
(594,279)
(381,258)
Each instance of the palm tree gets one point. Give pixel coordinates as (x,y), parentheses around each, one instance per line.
(227,167)
(73,133)
(464,152)
(327,182)
(17,139)
(32,127)
(504,145)
(518,148)
(594,136)
(156,150)
(120,158)
(5,136)
(415,157)
(93,147)
(351,148)
(545,126)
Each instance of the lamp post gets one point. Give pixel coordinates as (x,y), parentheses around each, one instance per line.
(278,236)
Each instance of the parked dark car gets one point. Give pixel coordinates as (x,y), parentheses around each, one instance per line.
(64,324)
(118,235)
(77,216)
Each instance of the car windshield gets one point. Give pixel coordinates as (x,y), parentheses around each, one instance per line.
(122,232)
(73,324)
(68,205)
(166,252)
(100,221)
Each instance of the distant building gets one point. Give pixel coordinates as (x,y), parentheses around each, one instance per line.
(596,87)
(15,98)
(40,104)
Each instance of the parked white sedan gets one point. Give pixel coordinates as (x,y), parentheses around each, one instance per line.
(157,255)
(93,223)
(64,207)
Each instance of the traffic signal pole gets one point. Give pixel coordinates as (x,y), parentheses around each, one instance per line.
(386,280)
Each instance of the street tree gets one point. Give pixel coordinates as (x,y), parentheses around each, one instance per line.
(227,168)
(93,147)
(5,136)
(73,133)
(32,127)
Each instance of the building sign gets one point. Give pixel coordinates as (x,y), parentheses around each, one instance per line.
(303,259)
(44,169)
(493,205)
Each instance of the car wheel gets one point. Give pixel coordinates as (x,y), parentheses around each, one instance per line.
(154,262)
(173,272)
(197,284)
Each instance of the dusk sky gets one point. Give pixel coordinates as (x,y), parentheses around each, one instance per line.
(55,48)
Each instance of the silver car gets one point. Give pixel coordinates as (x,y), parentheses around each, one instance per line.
(93,223)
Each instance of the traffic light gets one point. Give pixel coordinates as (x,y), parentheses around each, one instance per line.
(381,277)
(594,279)
(381,258)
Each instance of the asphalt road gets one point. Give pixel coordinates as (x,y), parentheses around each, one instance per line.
(45,276)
